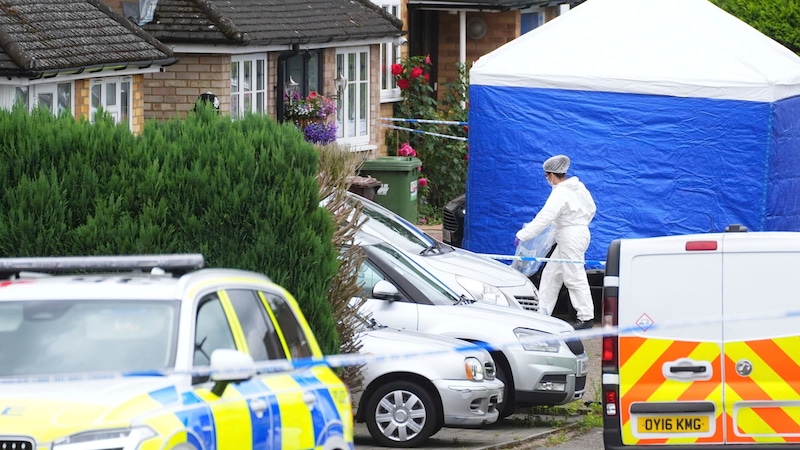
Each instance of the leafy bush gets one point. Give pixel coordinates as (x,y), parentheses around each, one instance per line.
(243,193)
(444,160)
(780,20)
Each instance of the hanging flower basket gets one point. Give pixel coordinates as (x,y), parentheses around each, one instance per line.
(313,115)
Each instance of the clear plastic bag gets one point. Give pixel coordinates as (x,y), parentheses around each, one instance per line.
(536,247)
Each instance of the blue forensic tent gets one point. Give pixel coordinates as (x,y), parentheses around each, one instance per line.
(677,116)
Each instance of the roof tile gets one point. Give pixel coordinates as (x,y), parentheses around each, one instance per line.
(38,36)
(242,22)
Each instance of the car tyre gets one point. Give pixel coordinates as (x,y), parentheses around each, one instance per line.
(503,373)
(402,414)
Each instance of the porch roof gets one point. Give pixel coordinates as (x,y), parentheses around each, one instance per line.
(45,37)
(490,5)
(267,22)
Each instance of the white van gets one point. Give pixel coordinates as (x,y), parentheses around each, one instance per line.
(707,349)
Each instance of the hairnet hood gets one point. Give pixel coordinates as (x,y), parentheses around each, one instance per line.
(556,164)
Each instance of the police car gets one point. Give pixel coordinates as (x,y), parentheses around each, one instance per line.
(154,352)
(712,359)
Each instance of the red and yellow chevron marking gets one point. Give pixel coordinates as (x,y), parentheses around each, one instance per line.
(763,406)
(641,380)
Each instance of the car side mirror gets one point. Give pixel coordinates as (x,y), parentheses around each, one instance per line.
(385,290)
(230,366)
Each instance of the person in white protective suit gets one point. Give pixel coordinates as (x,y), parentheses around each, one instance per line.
(569,208)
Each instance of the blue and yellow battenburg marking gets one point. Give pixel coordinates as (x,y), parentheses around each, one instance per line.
(264,413)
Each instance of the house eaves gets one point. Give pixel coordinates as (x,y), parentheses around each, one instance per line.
(270,22)
(42,38)
(489,5)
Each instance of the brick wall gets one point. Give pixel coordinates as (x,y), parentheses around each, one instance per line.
(502,27)
(174,91)
(137,121)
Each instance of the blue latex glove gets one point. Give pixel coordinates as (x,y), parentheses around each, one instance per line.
(516,242)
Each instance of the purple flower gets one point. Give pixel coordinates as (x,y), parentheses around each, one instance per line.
(320,132)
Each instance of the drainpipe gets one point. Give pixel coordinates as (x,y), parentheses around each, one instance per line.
(281,81)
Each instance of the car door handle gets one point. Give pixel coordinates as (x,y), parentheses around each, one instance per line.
(310,399)
(694,369)
(258,406)
(686,369)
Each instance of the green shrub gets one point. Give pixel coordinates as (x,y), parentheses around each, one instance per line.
(243,193)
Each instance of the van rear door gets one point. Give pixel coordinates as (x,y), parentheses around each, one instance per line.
(669,347)
(762,348)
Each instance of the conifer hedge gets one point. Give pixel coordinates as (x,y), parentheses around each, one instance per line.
(243,193)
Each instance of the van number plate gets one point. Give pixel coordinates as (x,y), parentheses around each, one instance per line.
(675,424)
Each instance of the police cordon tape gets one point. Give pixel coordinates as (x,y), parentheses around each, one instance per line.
(393,127)
(426,121)
(536,258)
(438,122)
(353,359)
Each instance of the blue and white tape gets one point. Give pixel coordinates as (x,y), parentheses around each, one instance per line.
(538,259)
(393,127)
(345,360)
(438,122)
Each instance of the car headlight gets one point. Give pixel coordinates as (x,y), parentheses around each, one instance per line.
(126,439)
(474,369)
(537,341)
(482,291)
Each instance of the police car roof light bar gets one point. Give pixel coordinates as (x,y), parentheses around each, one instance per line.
(184,262)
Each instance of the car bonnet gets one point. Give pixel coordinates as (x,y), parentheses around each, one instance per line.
(54,409)
(497,317)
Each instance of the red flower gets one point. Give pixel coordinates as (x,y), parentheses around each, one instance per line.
(427,77)
(397,69)
(422,182)
(312,94)
(406,150)
(428,58)
(403,83)
(416,72)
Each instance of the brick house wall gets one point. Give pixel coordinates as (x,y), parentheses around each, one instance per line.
(173,92)
(502,27)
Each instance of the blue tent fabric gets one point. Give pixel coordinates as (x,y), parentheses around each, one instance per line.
(677,116)
(655,165)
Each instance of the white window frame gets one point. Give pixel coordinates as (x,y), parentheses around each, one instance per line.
(390,54)
(53,89)
(112,88)
(246,98)
(352,109)
(30,93)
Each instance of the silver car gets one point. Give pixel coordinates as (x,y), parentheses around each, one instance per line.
(417,383)
(470,274)
(538,358)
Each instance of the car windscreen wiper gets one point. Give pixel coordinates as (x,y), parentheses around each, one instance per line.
(464,300)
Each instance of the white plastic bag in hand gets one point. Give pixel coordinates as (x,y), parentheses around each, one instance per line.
(536,247)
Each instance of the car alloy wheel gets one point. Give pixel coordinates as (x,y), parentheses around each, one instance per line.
(401,414)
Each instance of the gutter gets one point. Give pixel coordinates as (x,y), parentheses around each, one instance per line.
(33,74)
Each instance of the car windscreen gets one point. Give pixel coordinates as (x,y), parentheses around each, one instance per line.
(401,267)
(71,336)
(393,229)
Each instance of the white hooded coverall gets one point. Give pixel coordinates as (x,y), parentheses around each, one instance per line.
(570,208)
